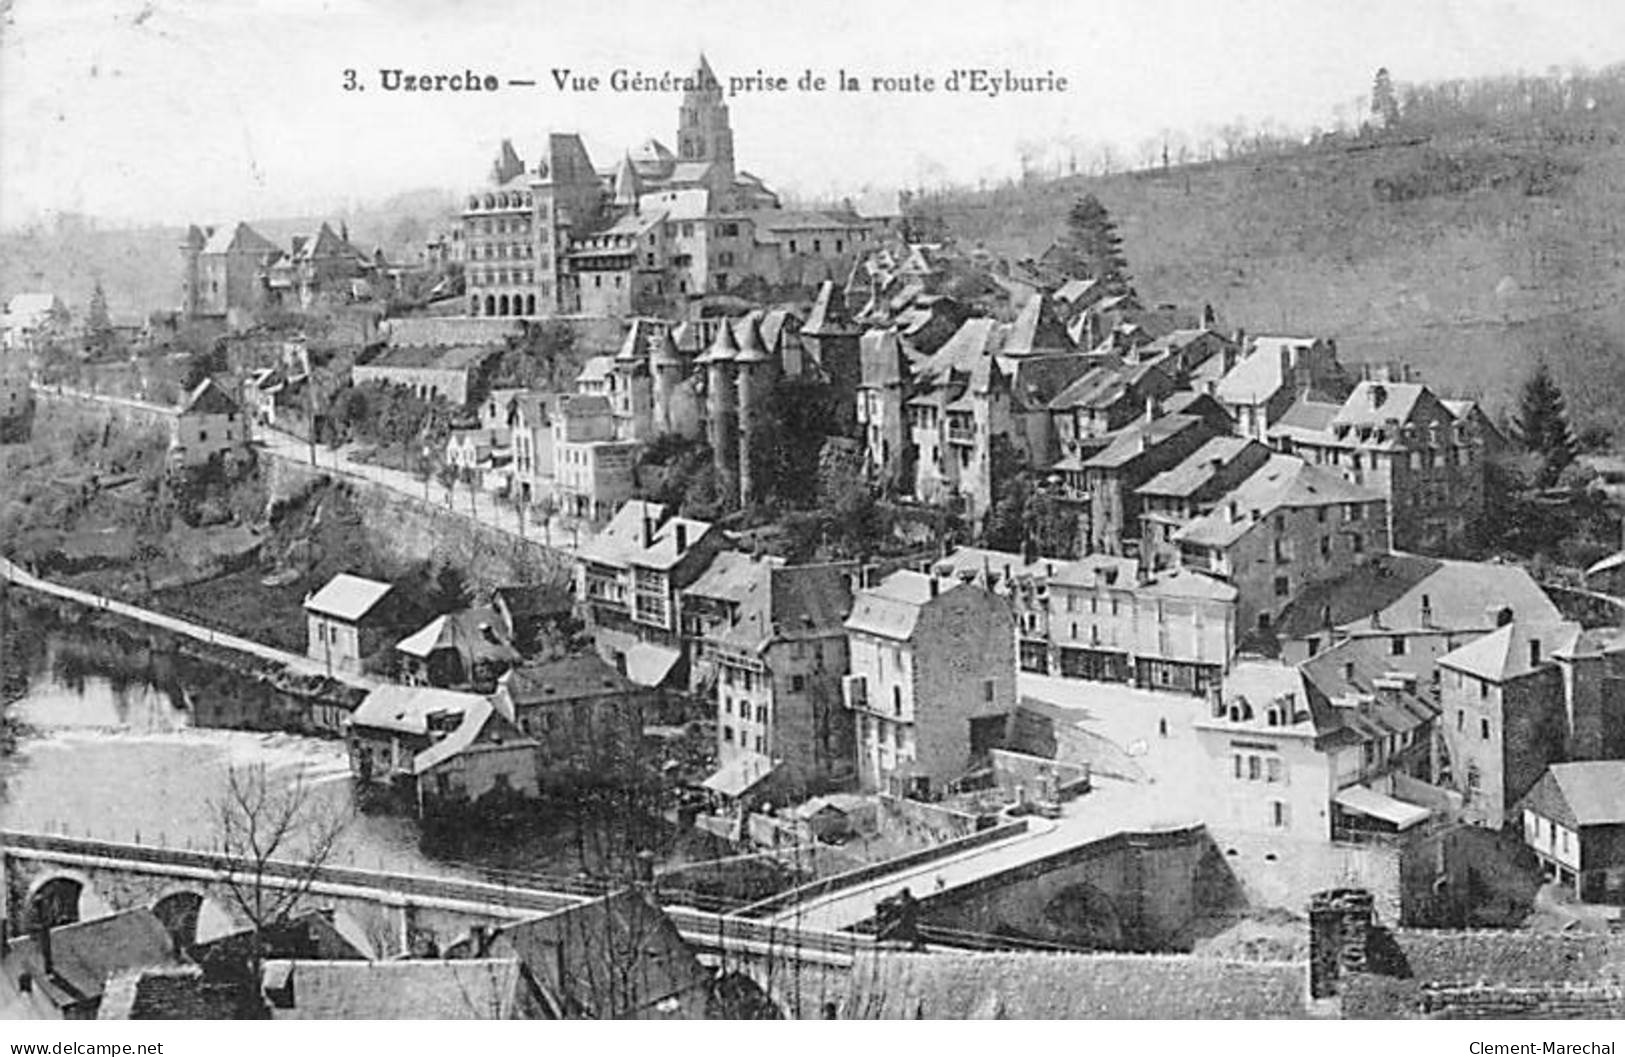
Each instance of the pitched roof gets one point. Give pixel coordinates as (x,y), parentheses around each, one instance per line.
(209,399)
(1373,403)
(1200,467)
(579,955)
(1140,438)
(1024,986)
(480,717)
(406,709)
(240,239)
(892,607)
(476,989)
(792,602)
(881,359)
(565,679)
(176,993)
(1587,793)
(1460,596)
(85,955)
(829,313)
(1512,650)
(348,597)
(731,576)
(477,632)
(1038,329)
(1283,482)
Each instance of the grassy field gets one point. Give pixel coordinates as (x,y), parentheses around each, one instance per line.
(1469,287)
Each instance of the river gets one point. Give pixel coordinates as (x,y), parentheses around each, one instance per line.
(129,743)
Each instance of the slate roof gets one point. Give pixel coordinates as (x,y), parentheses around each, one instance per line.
(731,576)
(1023,986)
(406,709)
(1036,330)
(1283,482)
(579,956)
(176,993)
(478,632)
(240,239)
(86,955)
(882,359)
(1142,437)
(1197,470)
(482,989)
(209,399)
(348,597)
(1373,403)
(565,679)
(1507,652)
(1306,418)
(1260,374)
(796,601)
(1460,595)
(892,607)
(1588,793)
(480,715)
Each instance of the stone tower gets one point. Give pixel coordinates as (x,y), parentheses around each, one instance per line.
(831,338)
(702,121)
(721,406)
(754,369)
(191,247)
(666,366)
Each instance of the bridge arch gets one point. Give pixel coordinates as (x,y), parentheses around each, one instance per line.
(61,898)
(192,917)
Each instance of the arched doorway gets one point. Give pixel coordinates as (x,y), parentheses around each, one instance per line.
(530,304)
(490,305)
(502,305)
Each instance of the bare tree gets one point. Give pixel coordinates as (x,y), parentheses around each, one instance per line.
(277,836)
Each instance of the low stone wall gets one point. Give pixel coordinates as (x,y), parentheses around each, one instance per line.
(914,820)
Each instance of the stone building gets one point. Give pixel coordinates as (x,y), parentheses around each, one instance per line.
(1286,527)
(223,274)
(586,718)
(932,683)
(208,425)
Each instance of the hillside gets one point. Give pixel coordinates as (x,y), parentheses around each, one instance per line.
(1468,283)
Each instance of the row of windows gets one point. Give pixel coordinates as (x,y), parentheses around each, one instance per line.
(493,251)
(744,709)
(1253,768)
(1483,725)
(501,226)
(518,278)
(501,200)
(744,743)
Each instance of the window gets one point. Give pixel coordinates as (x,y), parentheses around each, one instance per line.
(1236,759)
(1484,729)
(897,700)
(1253,768)
(728,735)
(1396,646)
(1325,548)
(1282,587)
(1461,720)
(1278,814)
(987,690)
(797,683)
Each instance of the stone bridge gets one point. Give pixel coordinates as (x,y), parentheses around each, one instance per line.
(47,879)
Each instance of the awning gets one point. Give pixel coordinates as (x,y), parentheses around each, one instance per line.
(1367,801)
(649,665)
(740,776)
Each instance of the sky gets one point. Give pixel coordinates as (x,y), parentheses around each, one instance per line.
(169,111)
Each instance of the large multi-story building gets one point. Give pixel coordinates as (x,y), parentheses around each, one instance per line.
(658,229)
(1402,440)
(1286,527)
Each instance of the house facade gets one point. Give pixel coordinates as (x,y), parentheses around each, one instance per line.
(350,619)
(933,680)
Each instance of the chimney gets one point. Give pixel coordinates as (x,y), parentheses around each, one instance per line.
(1379,395)
(682,538)
(1210,318)
(1499,616)
(1340,926)
(932,580)
(1150,407)
(1534,653)
(648,530)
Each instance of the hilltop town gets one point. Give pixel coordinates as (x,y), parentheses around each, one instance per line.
(975,632)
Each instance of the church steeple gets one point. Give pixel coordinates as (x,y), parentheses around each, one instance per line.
(703,134)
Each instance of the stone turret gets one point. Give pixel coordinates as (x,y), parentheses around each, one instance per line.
(721,406)
(666,366)
(191,247)
(754,368)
